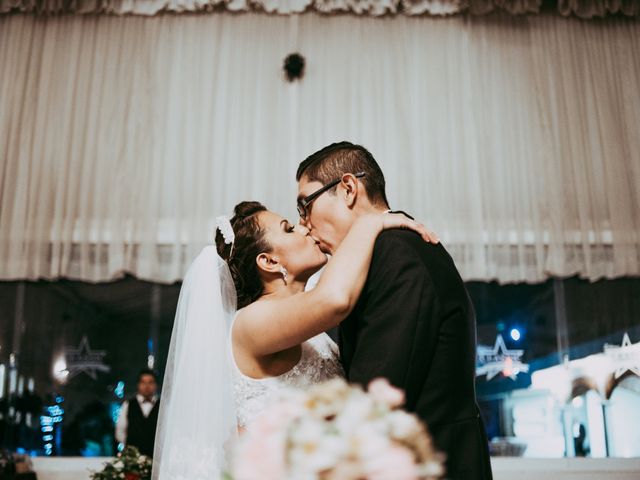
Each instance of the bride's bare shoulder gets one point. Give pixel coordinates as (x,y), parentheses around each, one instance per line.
(247,316)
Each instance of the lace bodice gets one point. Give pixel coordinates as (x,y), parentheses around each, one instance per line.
(319,362)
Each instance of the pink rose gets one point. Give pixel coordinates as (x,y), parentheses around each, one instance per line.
(261,452)
(260,457)
(381,390)
(397,463)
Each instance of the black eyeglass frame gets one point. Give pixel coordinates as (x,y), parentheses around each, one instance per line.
(304,203)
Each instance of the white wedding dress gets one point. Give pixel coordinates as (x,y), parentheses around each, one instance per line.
(319,362)
(204,396)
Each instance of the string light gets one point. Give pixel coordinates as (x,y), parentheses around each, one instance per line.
(515,334)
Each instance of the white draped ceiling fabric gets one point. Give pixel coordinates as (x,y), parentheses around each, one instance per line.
(516,138)
(580,8)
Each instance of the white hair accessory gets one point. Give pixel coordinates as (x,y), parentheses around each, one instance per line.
(224,225)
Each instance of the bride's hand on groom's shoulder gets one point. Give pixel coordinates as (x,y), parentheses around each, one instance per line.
(399,220)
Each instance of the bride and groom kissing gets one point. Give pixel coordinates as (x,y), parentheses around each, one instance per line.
(246,327)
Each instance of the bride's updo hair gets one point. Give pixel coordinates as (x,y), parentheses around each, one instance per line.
(248,244)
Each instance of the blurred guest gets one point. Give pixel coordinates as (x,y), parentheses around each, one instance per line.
(580,441)
(89,433)
(136,424)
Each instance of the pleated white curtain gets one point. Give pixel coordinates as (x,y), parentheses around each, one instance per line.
(121,138)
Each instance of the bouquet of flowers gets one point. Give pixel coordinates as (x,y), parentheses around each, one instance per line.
(336,431)
(128,465)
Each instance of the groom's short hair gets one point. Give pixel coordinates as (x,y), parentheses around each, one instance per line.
(333,161)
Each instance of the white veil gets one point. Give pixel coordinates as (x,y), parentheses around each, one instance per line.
(197,418)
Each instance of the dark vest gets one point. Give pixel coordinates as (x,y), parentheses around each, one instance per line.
(141,430)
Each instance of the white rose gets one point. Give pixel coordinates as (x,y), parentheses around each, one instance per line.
(369,441)
(356,411)
(310,461)
(402,425)
(314,448)
(119,465)
(431,469)
(309,431)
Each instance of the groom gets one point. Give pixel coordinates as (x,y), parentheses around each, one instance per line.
(414,323)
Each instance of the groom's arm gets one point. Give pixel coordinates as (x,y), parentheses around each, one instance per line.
(400,298)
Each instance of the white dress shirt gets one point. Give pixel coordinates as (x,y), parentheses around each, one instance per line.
(122,423)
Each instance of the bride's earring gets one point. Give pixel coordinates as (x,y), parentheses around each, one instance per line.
(284,273)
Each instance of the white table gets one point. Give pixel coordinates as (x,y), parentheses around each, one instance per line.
(77,468)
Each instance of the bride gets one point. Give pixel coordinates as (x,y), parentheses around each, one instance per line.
(245,328)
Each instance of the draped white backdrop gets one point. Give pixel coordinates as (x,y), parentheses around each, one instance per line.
(121,138)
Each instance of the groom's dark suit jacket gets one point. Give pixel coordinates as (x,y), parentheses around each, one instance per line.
(414,324)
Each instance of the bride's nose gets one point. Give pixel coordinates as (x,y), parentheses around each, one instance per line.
(301,229)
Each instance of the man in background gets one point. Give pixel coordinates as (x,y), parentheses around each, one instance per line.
(136,424)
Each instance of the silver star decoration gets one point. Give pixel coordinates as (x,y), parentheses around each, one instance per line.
(499,359)
(83,359)
(626,357)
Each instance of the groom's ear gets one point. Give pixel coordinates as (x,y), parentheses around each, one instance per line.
(349,189)
(267,263)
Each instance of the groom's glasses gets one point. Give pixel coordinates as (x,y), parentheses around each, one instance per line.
(303,203)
